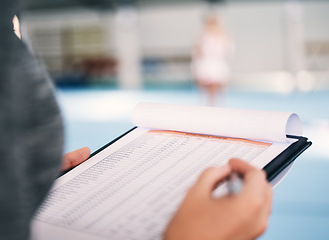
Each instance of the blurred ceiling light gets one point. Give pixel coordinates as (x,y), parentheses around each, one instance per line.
(17,28)
(284,82)
(305,81)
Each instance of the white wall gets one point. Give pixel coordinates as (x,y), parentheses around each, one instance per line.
(317,20)
(170,29)
(257,29)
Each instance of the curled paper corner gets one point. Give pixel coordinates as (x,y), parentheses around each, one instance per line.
(294,125)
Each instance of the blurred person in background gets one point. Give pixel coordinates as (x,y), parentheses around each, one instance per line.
(31,158)
(210,60)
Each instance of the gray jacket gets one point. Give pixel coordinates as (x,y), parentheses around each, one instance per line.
(31,135)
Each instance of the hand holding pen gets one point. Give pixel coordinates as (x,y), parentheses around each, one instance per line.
(242,215)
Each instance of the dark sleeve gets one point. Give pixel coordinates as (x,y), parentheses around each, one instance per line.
(31,135)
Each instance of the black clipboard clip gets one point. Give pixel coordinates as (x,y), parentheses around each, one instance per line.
(284,159)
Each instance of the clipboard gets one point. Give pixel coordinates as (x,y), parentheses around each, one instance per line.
(58,225)
(143,174)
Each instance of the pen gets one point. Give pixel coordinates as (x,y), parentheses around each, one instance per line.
(234,183)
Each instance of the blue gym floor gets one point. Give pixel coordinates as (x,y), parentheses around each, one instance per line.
(93,117)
